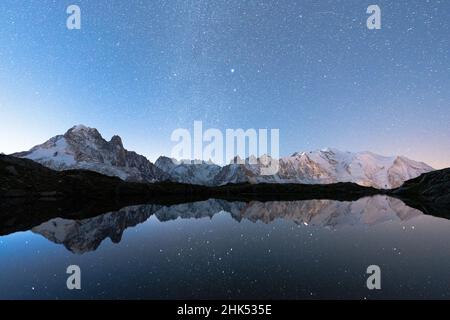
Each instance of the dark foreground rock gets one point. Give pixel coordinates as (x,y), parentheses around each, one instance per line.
(429,192)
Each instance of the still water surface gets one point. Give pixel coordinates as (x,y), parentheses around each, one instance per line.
(216,249)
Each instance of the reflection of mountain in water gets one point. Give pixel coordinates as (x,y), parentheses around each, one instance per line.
(80,236)
(329,213)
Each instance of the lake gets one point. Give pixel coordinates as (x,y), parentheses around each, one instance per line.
(216,249)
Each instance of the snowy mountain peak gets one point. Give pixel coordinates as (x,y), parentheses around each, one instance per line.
(331,165)
(331,150)
(82,147)
(82,130)
(166,163)
(116,141)
(188,171)
(79,127)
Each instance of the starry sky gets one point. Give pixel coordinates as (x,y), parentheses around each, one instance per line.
(142,69)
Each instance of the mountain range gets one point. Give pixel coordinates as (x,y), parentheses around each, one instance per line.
(85,235)
(84,148)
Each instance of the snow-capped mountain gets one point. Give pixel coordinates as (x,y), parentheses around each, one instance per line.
(189,171)
(329,166)
(84,148)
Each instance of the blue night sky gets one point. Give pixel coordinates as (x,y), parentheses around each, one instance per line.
(142,69)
